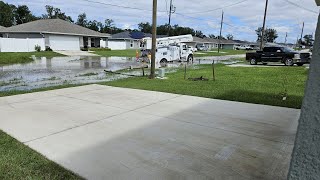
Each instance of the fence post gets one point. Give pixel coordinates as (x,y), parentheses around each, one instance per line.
(185,71)
(213,72)
(143,71)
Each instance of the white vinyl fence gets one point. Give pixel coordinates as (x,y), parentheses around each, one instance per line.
(21,45)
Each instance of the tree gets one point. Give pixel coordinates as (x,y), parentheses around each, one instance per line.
(145,27)
(163,30)
(55,13)
(230,37)
(109,26)
(270,35)
(6,14)
(94,25)
(200,34)
(24,15)
(212,36)
(308,40)
(82,20)
(223,38)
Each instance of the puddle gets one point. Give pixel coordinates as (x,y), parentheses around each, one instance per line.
(46,72)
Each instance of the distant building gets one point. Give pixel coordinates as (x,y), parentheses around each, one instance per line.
(211,43)
(57,34)
(1,28)
(128,40)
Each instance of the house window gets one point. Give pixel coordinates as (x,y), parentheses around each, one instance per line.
(131,44)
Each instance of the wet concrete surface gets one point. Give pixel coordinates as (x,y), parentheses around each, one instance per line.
(103,132)
(46,72)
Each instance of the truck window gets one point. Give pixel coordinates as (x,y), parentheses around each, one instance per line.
(270,49)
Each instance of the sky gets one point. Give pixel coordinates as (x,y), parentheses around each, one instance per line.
(241,19)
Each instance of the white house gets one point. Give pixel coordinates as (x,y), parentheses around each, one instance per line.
(1,29)
(128,40)
(57,34)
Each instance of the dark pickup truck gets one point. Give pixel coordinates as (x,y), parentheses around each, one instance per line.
(279,54)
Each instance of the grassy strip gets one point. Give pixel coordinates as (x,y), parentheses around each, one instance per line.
(18,161)
(242,84)
(118,53)
(19,58)
(12,93)
(223,52)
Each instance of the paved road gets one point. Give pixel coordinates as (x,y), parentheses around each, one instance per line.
(105,132)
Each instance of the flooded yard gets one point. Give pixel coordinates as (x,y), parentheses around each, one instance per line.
(46,72)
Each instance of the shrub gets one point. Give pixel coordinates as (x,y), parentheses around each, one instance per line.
(48,48)
(37,48)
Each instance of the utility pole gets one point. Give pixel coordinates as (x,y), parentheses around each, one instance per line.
(171,11)
(264,24)
(220,32)
(301,34)
(285,41)
(154,40)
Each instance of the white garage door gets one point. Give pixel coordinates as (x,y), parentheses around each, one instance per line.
(64,43)
(117,45)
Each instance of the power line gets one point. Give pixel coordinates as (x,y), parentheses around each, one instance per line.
(119,6)
(299,6)
(201,12)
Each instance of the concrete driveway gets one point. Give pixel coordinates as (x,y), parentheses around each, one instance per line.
(105,132)
(76,53)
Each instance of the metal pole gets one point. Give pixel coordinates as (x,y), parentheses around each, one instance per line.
(170,12)
(220,32)
(285,41)
(264,24)
(154,40)
(301,35)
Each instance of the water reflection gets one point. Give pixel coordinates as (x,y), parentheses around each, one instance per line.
(44,72)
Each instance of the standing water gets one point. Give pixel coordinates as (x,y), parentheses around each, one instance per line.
(45,72)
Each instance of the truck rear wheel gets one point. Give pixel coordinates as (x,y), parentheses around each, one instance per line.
(288,62)
(253,61)
(190,58)
(163,61)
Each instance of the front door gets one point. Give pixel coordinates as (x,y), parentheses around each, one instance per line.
(85,42)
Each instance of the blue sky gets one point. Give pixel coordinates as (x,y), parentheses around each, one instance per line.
(241,20)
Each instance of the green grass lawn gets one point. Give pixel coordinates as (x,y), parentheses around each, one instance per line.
(117,53)
(243,84)
(224,52)
(19,58)
(18,161)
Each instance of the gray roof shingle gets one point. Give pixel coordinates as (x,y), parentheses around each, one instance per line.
(53,26)
(2,28)
(128,35)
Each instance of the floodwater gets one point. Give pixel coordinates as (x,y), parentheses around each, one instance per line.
(46,72)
